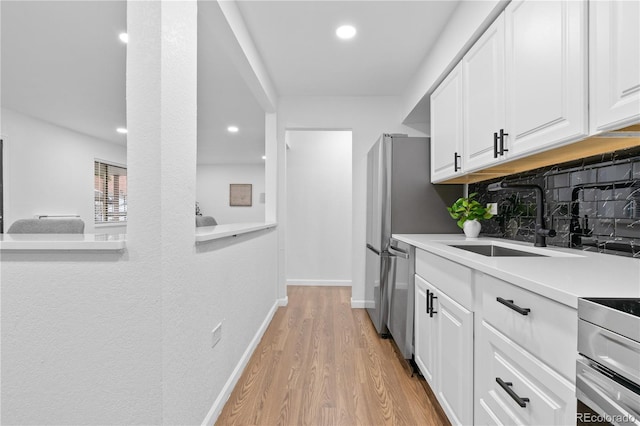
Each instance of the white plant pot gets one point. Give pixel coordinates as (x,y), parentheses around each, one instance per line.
(471,228)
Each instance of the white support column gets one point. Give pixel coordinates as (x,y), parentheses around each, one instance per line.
(161,155)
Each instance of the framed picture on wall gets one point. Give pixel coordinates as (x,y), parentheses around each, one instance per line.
(240,195)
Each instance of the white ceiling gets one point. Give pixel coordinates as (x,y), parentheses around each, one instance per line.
(300,50)
(62,62)
(224,100)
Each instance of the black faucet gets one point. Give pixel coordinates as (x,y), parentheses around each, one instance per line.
(541,232)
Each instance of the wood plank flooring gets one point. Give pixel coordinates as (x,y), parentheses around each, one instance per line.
(322,363)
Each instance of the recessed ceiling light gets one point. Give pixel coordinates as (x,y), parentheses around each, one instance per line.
(346,32)
(124,37)
(232,129)
(121,130)
(264,157)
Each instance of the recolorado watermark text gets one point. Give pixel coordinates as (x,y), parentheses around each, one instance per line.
(608,418)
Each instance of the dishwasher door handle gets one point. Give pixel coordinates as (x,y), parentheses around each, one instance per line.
(398,252)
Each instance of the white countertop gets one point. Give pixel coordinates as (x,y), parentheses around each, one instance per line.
(25,242)
(208,233)
(111,242)
(566,277)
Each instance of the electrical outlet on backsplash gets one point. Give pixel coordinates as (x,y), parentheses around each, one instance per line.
(593,204)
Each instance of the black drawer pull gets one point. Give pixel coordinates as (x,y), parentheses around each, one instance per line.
(502,148)
(426,300)
(507,388)
(431,311)
(495,145)
(510,304)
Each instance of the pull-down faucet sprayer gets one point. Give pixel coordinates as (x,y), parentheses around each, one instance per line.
(541,232)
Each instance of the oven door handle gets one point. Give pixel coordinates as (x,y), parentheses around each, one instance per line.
(602,393)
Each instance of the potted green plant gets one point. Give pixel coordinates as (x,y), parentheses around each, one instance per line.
(469,212)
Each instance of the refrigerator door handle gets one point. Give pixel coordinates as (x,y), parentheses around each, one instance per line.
(398,252)
(370,247)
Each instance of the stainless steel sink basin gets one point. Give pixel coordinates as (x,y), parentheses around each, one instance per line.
(492,250)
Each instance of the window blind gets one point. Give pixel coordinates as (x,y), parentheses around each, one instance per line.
(110,193)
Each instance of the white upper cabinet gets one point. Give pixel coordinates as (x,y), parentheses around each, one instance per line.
(524,89)
(446,127)
(546,71)
(614,39)
(483,70)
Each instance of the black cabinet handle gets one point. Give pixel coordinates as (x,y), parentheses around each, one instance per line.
(431,311)
(502,148)
(510,304)
(507,388)
(455,162)
(427,301)
(495,145)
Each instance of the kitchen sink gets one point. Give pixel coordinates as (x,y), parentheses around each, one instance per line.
(492,250)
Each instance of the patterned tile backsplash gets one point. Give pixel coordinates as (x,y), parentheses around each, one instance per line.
(593,204)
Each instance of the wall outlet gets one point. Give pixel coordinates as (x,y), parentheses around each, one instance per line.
(216,335)
(493,208)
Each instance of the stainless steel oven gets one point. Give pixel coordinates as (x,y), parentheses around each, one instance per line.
(608,366)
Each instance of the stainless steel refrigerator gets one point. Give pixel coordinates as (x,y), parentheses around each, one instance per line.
(400,200)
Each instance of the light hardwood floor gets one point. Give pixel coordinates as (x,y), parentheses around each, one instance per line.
(322,363)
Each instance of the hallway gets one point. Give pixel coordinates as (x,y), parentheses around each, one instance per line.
(321,363)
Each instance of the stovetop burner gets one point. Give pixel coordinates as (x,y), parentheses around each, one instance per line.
(630,306)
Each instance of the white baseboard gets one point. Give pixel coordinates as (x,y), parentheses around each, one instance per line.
(224,395)
(283,301)
(320,283)
(361,304)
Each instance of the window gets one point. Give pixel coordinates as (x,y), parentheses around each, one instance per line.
(110,193)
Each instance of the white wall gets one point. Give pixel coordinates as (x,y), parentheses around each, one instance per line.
(125,338)
(212,194)
(466,25)
(319,210)
(368,118)
(49,170)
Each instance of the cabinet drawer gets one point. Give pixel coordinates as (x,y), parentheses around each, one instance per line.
(549,330)
(451,278)
(548,398)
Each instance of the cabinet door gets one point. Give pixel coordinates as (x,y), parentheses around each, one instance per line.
(507,367)
(454,372)
(615,64)
(424,332)
(546,71)
(446,127)
(484,95)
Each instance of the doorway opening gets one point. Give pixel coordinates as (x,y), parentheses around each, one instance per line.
(319,207)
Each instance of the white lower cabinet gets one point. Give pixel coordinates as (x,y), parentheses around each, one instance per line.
(424,347)
(515,387)
(444,350)
(454,372)
(493,352)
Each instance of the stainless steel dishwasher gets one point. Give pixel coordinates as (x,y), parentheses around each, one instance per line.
(401,295)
